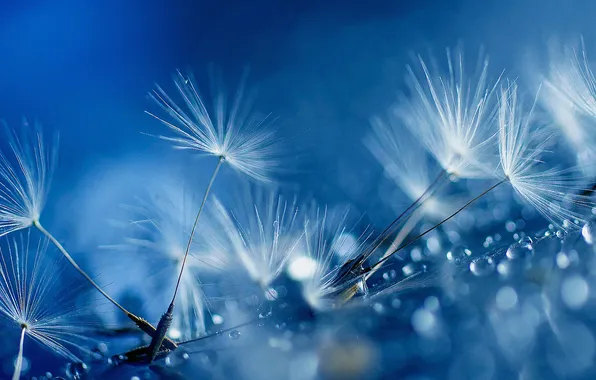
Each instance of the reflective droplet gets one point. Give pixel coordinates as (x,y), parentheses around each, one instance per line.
(482,266)
(458,253)
(177,358)
(413,268)
(521,250)
(235,334)
(76,371)
(588,231)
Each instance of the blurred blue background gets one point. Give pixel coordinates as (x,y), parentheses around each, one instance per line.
(322,68)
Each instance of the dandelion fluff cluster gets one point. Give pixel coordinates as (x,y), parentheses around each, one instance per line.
(478,136)
(451,113)
(262,233)
(235,134)
(32,300)
(25,176)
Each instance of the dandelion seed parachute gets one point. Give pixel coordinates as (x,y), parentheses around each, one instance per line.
(326,236)
(570,97)
(452,116)
(262,233)
(554,192)
(22,195)
(159,228)
(32,301)
(25,175)
(234,137)
(235,134)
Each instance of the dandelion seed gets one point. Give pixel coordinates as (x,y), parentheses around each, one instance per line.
(159,231)
(325,236)
(26,173)
(30,300)
(452,117)
(263,233)
(522,146)
(22,196)
(235,135)
(570,97)
(236,138)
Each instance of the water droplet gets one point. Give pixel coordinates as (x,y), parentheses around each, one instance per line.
(482,266)
(413,268)
(588,231)
(390,275)
(521,250)
(265,314)
(235,334)
(177,358)
(76,371)
(458,253)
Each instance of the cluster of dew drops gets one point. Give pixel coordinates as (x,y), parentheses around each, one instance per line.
(497,259)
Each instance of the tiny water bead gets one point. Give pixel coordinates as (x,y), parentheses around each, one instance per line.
(482,266)
(177,358)
(521,250)
(458,253)
(412,268)
(235,334)
(76,371)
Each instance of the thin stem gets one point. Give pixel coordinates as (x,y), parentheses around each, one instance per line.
(18,366)
(403,233)
(411,208)
(439,224)
(142,324)
(194,226)
(38,225)
(354,264)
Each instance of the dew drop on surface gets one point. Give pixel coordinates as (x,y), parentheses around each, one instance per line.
(588,231)
(135,378)
(235,334)
(177,358)
(413,268)
(458,253)
(521,250)
(482,266)
(76,371)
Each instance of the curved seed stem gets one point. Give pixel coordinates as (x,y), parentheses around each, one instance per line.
(194,226)
(54,241)
(386,257)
